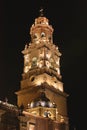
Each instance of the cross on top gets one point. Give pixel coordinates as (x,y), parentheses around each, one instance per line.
(41,12)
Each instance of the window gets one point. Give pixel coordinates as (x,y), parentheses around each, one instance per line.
(32,78)
(42,34)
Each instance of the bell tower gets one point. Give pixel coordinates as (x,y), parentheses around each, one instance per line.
(41,87)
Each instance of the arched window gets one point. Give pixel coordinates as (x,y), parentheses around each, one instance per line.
(42,34)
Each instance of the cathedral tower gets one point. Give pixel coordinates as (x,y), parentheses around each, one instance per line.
(41,88)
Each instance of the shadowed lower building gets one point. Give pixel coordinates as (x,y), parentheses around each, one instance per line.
(9,114)
(41,97)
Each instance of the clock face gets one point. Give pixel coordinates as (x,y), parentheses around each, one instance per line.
(34,59)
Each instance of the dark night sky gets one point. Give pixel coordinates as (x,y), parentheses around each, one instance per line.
(69,20)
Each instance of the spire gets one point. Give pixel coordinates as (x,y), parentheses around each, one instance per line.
(41,12)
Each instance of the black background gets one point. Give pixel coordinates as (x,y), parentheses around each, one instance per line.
(69,20)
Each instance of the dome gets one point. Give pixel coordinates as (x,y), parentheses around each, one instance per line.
(42,101)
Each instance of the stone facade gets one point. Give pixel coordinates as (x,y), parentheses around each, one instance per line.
(42,102)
